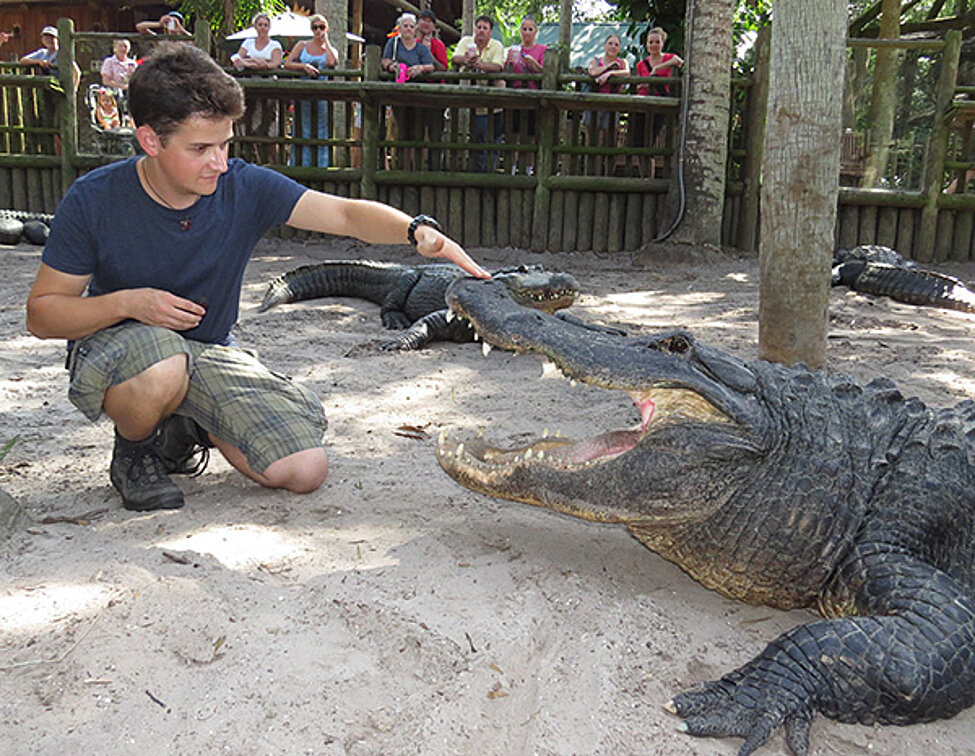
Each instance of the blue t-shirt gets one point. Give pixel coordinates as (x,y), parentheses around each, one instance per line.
(108,227)
(420,55)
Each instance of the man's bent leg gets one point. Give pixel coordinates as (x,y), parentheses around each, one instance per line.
(138,404)
(301,472)
(267,427)
(137,374)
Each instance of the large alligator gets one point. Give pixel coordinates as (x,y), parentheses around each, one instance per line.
(411,297)
(875,269)
(772,485)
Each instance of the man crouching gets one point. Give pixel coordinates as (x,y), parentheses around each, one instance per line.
(142,273)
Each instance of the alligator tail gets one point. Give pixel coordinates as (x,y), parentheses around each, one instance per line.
(916,286)
(333,278)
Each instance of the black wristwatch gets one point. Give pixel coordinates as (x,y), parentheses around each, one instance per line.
(420,220)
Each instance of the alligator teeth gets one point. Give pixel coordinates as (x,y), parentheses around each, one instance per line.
(442,437)
(450,315)
(573,382)
(545,433)
(540,455)
(460,451)
(485,348)
(528,455)
(476,337)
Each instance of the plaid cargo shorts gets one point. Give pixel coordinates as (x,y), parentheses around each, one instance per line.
(231,394)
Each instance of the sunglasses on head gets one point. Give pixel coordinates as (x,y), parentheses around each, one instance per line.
(316,27)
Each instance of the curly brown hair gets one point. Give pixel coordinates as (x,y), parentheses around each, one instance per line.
(179,81)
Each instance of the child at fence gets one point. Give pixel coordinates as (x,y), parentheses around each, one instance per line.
(107,114)
(143,272)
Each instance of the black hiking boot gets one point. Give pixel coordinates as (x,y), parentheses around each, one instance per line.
(139,475)
(183,445)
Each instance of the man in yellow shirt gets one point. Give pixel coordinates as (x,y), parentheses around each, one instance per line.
(481,52)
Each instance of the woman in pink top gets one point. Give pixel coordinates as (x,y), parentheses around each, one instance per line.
(603,70)
(656,63)
(525,58)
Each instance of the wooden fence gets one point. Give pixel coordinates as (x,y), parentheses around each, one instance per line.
(586,190)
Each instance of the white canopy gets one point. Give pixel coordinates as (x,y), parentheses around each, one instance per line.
(287,24)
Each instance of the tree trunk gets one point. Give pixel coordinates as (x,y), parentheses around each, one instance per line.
(800,179)
(708,76)
(884,100)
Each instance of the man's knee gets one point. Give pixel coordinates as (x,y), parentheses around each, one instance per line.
(160,383)
(301,472)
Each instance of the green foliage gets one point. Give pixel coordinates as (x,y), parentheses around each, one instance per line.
(244,10)
(7,447)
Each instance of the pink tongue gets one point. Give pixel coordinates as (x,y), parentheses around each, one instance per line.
(609,444)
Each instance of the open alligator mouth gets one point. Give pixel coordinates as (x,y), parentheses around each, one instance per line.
(657,408)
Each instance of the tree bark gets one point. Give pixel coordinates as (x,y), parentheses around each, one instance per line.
(884,100)
(800,179)
(708,76)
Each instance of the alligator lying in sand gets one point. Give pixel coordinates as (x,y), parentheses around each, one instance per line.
(874,269)
(771,485)
(411,297)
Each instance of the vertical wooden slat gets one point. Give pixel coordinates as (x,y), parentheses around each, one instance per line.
(6,188)
(570,222)
(488,235)
(631,234)
(456,214)
(503,218)
(868,225)
(905,232)
(962,237)
(472,228)
(600,223)
(648,218)
(18,184)
(614,225)
(555,222)
(849,221)
(944,234)
(587,203)
(887,226)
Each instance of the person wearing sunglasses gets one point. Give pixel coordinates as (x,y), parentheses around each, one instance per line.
(311,57)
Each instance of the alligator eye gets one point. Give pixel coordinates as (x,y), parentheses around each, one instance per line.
(676,344)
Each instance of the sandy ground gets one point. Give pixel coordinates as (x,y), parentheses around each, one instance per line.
(392,611)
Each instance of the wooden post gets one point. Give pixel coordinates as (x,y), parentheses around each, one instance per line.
(202,35)
(755,144)
(355,26)
(547,127)
(370,127)
(469,8)
(934,166)
(69,108)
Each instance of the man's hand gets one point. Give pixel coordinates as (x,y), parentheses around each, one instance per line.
(160,308)
(432,243)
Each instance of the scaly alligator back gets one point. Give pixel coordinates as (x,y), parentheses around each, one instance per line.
(363,279)
(914,286)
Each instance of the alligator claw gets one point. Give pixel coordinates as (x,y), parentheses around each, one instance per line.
(726,708)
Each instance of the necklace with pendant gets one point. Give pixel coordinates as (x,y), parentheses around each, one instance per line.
(185,223)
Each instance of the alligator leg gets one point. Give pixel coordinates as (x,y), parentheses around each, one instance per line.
(391,311)
(908,658)
(431,327)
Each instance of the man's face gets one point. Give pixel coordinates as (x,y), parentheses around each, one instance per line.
(426,26)
(482,32)
(49,41)
(195,155)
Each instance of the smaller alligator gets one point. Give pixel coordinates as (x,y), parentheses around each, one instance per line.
(21,224)
(874,269)
(411,297)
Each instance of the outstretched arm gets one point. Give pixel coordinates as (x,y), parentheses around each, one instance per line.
(375,223)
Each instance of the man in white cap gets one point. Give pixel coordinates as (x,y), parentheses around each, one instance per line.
(46,58)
